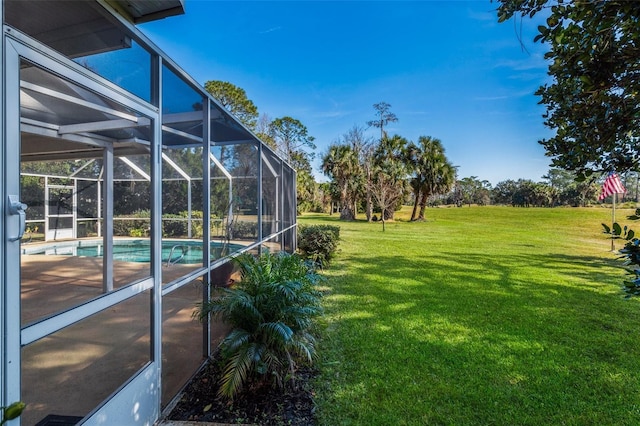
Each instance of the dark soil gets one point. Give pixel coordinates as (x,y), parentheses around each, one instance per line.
(256,404)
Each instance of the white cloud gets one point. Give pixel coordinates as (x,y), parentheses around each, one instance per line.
(512,95)
(488,16)
(532,62)
(491,98)
(270,30)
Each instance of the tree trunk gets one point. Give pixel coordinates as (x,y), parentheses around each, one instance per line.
(346,214)
(415,204)
(389,214)
(369,211)
(423,205)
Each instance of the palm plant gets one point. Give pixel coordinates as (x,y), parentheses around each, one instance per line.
(433,173)
(341,163)
(271,311)
(388,185)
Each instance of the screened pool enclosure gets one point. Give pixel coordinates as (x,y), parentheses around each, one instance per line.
(126,191)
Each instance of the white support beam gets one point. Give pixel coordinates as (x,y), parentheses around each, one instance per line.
(136,168)
(98,126)
(74,174)
(177,168)
(260,196)
(35,123)
(51,130)
(188,179)
(220,166)
(236,142)
(77,101)
(107,223)
(47,326)
(182,134)
(268,163)
(228,176)
(182,117)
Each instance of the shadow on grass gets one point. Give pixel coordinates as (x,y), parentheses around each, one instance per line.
(523,339)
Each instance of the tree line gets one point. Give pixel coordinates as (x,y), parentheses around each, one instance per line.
(382,174)
(559,188)
(376,176)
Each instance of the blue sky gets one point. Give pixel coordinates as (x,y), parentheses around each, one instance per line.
(447,68)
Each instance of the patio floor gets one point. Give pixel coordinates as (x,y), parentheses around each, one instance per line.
(71,371)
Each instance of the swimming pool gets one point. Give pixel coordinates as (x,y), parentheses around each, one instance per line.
(184,252)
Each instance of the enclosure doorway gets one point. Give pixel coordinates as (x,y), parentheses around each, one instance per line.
(60,211)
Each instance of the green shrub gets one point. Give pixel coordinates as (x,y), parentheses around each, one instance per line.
(242,229)
(196,222)
(318,242)
(174,226)
(137,223)
(177,225)
(271,310)
(629,254)
(138,233)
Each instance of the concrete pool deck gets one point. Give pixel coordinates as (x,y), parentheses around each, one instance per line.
(71,371)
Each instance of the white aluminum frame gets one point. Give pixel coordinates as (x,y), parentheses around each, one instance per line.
(3,208)
(147,381)
(47,212)
(138,401)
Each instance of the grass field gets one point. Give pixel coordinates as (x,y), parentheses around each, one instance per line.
(479,316)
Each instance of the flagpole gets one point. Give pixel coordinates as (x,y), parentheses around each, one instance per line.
(612,186)
(613,220)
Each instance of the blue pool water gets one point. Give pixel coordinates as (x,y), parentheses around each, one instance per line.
(173,251)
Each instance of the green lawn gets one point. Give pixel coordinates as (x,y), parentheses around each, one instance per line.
(479,316)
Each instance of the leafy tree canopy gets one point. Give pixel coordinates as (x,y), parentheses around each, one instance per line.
(390,171)
(292,137)
(432,173)
(341,164)
(234,99)
(559,178)
(384,116)
(593,101)
(263,131)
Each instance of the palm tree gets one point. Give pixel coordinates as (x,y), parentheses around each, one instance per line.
(433,173)
(363,146)
(305,190)
(389,175)
(341,164)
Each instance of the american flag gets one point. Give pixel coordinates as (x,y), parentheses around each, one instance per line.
(611,185)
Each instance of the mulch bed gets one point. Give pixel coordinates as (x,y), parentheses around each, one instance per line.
(260,405)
